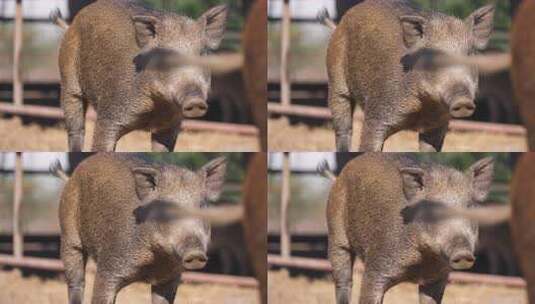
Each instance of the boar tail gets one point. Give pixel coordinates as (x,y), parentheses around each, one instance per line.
(57,171)
(57,19)
(325,171)
(325,19)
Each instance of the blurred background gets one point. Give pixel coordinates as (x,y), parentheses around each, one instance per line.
(41,193)
(308,193)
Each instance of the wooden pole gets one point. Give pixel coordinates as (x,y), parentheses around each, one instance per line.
(17,200)
(285,53)
(285,201)
(17,53)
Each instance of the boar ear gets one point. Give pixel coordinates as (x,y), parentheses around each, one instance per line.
(214,22)
(214,174)
(412,28)
(481,22)
(481,174)
(145,27)
(413,181)
(146,179)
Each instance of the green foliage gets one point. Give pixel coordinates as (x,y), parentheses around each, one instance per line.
(503,169)
(463,8)
(235,168)
(194,161)
(195,8)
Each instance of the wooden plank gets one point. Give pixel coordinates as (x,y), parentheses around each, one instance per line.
(191,277)
(455,277)
(192,125)
(455,124)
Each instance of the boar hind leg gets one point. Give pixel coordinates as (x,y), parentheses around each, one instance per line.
(165,140)
(432,293)
(74,261)
(106,136)
(342,108)
(74,109)
(432,140)
(164,293)
(342,261)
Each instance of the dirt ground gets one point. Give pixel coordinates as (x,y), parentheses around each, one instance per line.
(28,290)
(285,137)
(14,136)
(301,290)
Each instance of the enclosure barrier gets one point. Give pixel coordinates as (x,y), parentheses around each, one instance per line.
(455,124)
(192,125)
(190,277)
(455,277)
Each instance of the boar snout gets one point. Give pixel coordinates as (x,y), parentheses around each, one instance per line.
(460,100)
(193,108)
(462,107)
(193,100)
(194,259)
(463,259)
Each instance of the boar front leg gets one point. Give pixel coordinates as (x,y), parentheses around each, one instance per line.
(164,293)
(432,140)
(373,136)
(164,140)
(432,293)
(373,287)
(105,288)
(106,136)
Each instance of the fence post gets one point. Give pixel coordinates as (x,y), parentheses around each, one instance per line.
(285,201)
(17,53)
(17,200)
(285,54)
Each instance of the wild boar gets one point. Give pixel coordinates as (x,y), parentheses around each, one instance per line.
(255,219)
(520,214)
(523,66)
(115,56)
(133,218)
(366,217)
(253,62)
(519,60)
(371,58)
